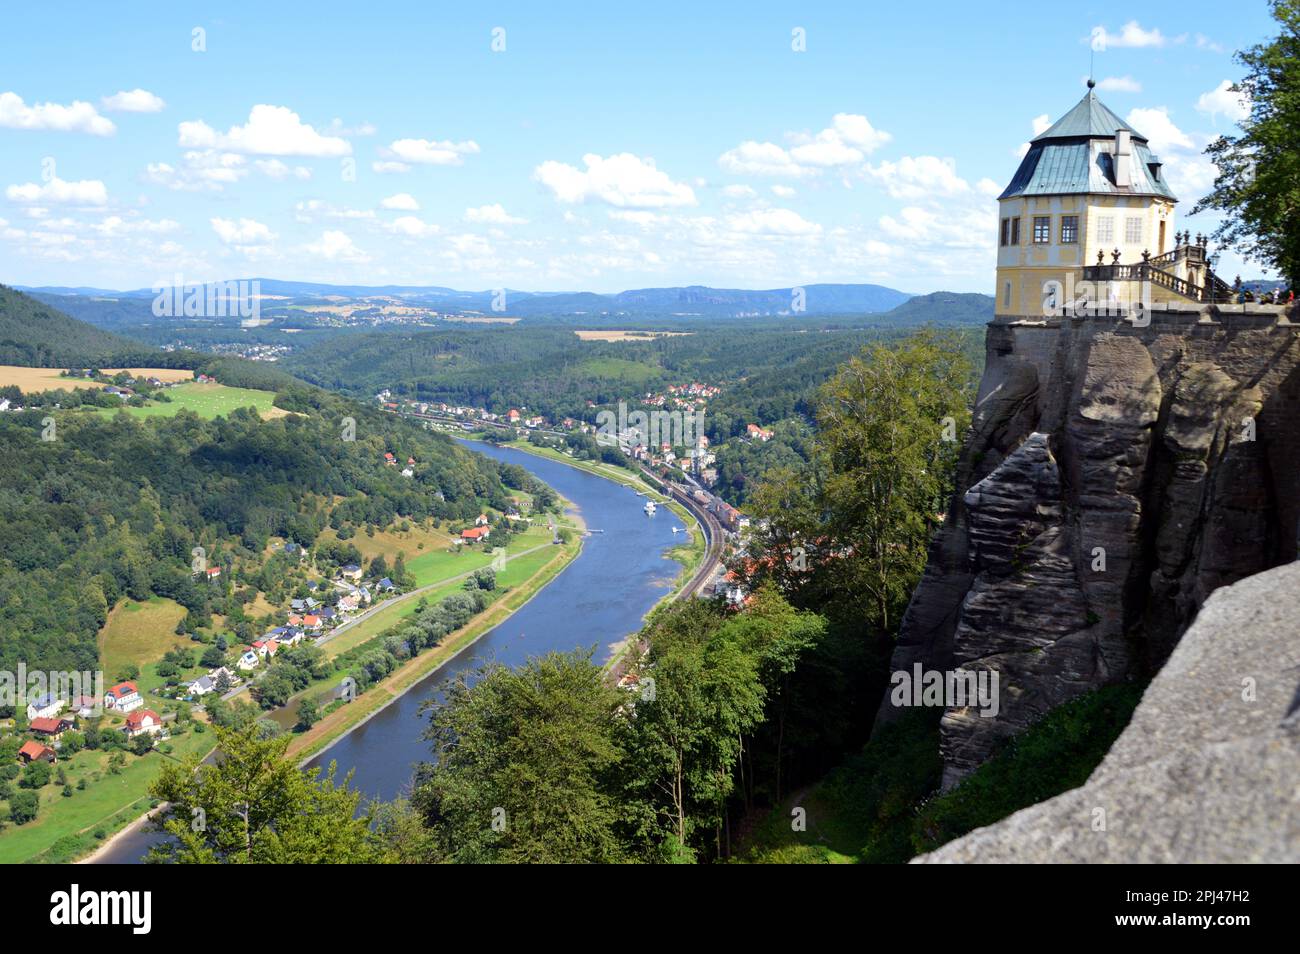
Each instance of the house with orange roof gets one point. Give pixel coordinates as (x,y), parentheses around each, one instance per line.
(37,752)
(143,722)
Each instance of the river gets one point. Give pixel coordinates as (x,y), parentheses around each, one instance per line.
(596,601)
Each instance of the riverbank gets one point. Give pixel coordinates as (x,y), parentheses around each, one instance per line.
(328,730)
(687,555)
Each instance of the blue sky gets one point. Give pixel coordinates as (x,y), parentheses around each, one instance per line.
(600,149)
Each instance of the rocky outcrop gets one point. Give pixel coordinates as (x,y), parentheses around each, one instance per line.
(1115,476)
(1208,770)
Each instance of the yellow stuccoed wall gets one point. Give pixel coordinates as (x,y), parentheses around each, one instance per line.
(1026,268)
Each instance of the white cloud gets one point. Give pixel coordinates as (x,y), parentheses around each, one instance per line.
(402,201)
(846,142)
(270,131)
(412,227)
(1130,35)
(336,246)
(389,167)
(492,215)
(917,177)
(275,169)
(1040,125)
(1159,129)
(622,180)
(200,169)
(243,232)
(1119,84)
(988,187)
(76,117)
(1222,100)
(783,191)
(772,222)
(761,159)
(133,101)
(738,191)
(430,152)
(82,192)
(1203,42)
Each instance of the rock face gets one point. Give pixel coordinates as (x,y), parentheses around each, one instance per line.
(1209,768)
(1114,477)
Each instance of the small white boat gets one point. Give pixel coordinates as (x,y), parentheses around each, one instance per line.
(649,508)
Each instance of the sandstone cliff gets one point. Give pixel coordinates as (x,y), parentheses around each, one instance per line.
(1114,477)
(1209,768)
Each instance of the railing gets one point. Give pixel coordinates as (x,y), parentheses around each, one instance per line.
(1215,291)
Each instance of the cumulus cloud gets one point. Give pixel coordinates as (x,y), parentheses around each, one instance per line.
(1131,34)
(738,191)
(772,222)
(56,190)
(1159,129)
(412,227)
(275,169)
(783,191)
(429,152)
(270,131)
(1119,84)
(402,201)
(336,246)
(622,180)
(1223,101)
(243,232)
(492,215)
(200,169)
(847,141)
(916,177)
(75,117)
(389,166)
(133,101)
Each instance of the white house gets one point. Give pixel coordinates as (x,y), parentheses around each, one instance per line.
(144,722)
(248,661)
(44,707)
(124,697)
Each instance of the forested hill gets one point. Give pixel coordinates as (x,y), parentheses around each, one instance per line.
(35,334)
(113,507)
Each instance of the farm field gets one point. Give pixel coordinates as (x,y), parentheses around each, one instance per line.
(31,380)
(207,401)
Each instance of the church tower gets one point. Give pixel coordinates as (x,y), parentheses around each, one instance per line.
(1090,203)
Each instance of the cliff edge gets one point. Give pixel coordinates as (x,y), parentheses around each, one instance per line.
(1115,476)
(1209,768)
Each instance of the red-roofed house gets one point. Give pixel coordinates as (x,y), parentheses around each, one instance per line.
(389,459)
(143,722)
(475,533)
(214,572)
(124,697)
(311,622)
(481,520)
(513,416)
(52,728)
(35,751)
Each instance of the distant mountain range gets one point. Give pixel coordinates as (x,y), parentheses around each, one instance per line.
(683,302)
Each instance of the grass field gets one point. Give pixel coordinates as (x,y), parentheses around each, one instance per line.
(619,369)
(139,634)
(31,380)
(207,401)
(416,542)
(65,827)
